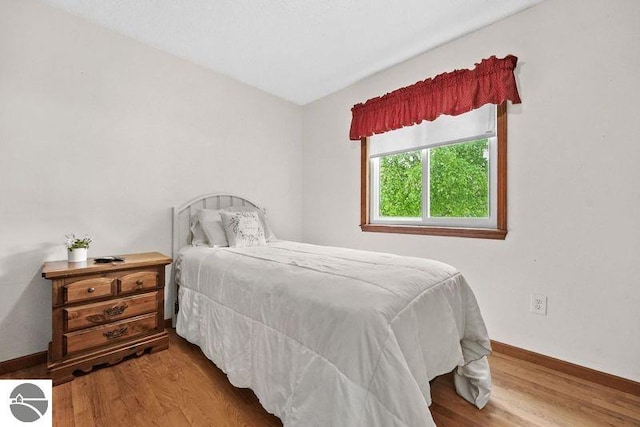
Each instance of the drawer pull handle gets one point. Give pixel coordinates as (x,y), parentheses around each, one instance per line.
(91,290)
(115,333)
(139,283)
(116,310)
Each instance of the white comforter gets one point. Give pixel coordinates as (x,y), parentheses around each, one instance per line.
(334,337)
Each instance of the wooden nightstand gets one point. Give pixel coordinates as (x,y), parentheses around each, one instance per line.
(104,312)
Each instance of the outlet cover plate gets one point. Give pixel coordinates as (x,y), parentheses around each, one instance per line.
(538,304)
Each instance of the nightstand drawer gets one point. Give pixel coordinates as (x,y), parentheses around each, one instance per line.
(102,312)
(82,290)
(137,281)
(107,334)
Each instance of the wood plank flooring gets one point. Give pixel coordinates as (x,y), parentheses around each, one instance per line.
(180,387)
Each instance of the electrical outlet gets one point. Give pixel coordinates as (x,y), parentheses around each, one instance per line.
(538,304)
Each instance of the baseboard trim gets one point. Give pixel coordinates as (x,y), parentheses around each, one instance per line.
(602,378)
(168,323)
(23,362)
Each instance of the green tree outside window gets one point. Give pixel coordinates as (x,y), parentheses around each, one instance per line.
(458,184)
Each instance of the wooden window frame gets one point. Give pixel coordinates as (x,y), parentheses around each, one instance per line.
(499,233)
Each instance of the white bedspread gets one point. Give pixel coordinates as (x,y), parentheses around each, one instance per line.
(334,337)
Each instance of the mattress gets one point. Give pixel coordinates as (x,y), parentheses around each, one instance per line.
(329,336)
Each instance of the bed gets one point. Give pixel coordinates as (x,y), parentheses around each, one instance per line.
(329,336)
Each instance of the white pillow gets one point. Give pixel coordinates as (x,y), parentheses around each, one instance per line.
(243,229)
(211,223)
(198,238)
(268,233)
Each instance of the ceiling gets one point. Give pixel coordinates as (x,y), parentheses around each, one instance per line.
(300,50)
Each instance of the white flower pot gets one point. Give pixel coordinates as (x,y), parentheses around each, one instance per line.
(77,255)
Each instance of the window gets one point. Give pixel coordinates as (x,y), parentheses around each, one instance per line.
(446,177)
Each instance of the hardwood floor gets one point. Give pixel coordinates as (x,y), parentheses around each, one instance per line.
(180,387)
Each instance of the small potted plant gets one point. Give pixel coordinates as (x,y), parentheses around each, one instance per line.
(77,247)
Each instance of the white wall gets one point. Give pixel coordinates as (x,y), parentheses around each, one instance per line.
(573,184)
(100,134)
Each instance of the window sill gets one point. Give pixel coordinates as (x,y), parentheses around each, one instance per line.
(477,233)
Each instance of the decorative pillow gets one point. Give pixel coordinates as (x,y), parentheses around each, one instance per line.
(211,223)
(243,229)
(268,233)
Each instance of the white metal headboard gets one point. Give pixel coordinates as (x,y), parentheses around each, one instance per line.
(181,233)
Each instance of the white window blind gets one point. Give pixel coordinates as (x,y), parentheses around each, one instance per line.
(476,124)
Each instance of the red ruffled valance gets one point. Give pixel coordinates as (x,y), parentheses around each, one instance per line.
(491,82)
